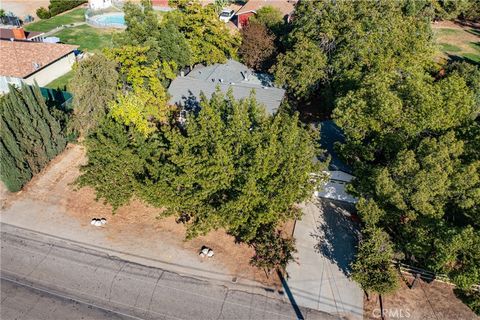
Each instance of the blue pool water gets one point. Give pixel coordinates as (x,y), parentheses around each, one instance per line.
(115,19)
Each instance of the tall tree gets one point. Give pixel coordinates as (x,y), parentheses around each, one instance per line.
(373,267)
(164,40)
(93,86)
(209,39)
(347,38)
(228,166)
(30,136)
(143,100)
(258,47)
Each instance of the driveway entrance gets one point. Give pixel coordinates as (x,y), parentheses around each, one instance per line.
(325,239)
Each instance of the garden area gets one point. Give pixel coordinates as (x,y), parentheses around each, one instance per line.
(457,41)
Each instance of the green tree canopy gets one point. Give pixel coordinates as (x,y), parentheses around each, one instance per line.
(93,86)
(164,40)
(345,39)
(208,38)
(229,166)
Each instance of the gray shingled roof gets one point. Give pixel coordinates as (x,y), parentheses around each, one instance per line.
(186,90)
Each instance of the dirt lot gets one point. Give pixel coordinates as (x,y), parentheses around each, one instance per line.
(426,301)
(21,8)
(135,223)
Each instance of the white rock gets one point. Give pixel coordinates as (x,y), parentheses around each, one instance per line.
(93,221)
(103,221)
(202,254)
(98,223)
(210,253)
(205,251)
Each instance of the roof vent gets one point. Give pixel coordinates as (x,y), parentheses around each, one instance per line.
(221,80)
(213,79)
(36,66)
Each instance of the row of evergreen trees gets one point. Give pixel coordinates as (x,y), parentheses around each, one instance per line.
(30,135)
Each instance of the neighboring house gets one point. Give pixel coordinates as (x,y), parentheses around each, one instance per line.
(99,4)
(185,90)
(286,7)
(19,34)
(339,173)
(24,61)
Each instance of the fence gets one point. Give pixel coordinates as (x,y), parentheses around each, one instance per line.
(91,17)
(427,275)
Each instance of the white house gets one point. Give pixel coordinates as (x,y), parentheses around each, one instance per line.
(339,173)
(99,4)
(30,62)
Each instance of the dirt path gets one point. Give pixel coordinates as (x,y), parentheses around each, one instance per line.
(134,228)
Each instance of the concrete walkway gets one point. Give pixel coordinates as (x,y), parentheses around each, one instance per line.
(326,240)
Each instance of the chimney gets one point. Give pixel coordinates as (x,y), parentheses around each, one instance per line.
(19,33)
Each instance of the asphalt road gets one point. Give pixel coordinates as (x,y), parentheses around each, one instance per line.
(48,278)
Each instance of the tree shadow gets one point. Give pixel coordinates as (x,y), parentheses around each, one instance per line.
(337,234)
(457,58)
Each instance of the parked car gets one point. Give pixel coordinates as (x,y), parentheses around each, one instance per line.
(226,15)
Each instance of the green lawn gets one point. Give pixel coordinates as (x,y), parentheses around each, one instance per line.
(61,82)
(76,15)
(446,47)
(88,38)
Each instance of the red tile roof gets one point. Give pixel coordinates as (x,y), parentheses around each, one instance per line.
(7,34)
(285,6)
(19,58)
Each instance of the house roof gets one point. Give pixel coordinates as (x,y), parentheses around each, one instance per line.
(286,7)
(22,58)
(7,34)
(330,133)
(242,80)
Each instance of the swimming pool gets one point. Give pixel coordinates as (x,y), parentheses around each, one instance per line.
(108,20)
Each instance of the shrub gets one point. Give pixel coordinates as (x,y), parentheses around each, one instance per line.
(43,13)
(58,6)
(272,251)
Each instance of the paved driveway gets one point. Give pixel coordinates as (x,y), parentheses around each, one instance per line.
(326,240)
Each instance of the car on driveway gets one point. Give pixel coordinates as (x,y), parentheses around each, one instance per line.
(226,15)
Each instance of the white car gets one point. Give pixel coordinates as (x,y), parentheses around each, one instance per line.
(226,15)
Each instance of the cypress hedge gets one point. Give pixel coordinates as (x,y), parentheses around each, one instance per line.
(30,136)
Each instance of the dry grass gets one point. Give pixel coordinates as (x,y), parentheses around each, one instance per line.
(455,40)
(426,301)
(135,223)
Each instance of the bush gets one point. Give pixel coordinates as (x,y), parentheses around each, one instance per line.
(272,251)
(43,13)
(59,6)
(470,298)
